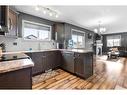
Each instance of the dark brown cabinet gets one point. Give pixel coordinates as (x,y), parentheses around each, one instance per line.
(38,59)
(8,22)
(49,59)
(39,62)
(53,59)
(84,64)
(58,61)
(18,79)
(59,28)
(68,61)
(89,64)
(80,64)
(3,19)
(12,24)
(44,61)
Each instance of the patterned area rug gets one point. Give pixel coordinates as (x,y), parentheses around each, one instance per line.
(44,76)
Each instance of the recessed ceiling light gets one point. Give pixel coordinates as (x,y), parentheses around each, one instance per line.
(37,8)
(56,16)
(44,11)
(50,14)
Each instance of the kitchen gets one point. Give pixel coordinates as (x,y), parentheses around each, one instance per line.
(32,46)
(57,48)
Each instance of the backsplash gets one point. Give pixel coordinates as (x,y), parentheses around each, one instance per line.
(23,45)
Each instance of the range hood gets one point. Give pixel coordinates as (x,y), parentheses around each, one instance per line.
(4,19)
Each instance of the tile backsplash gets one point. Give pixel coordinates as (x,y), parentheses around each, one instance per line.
(23,45)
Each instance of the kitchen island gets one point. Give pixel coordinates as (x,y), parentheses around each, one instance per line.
(16,71)
(78,62)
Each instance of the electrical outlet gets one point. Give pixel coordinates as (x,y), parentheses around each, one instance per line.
(15,43)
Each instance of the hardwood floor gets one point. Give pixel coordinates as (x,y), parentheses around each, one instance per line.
(108,74)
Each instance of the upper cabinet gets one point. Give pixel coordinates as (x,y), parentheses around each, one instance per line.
(3,19)
(59,32)
(12,24)
(8,22)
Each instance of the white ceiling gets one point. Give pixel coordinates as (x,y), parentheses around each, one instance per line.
(114,18)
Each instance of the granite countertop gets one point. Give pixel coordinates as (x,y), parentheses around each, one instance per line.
(78,50)
(7,66)
(72,50)
(11,52)
(11,65)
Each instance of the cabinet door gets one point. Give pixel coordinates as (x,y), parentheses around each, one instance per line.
(48,60)
(56,59)
(18,79)
(12,24)
(88,64)
(59,29)
(68,61)
(38,63)
(79,64)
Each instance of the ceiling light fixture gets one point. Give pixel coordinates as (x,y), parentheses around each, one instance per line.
(50,14)
(44,11)
(100,29)
(56,16)
(37,8)
(48,11)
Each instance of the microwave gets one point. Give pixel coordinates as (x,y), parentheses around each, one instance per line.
(4,10)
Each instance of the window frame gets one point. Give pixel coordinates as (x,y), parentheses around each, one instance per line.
(32,22)
(77,37)
(113,37)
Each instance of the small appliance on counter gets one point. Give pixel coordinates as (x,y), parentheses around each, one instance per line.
(59,46)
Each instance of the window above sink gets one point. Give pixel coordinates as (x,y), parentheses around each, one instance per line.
(36,31)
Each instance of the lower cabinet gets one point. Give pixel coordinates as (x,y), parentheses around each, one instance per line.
(44,61)
(38,59)
(80,64)
(18,79)
(84,64)
(39,62)
(56,59)
(51,60)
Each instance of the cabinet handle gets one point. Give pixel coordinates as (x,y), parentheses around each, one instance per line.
(10,24)
(43,56)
